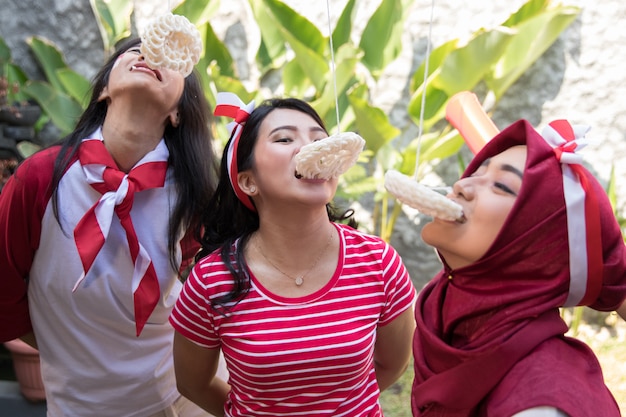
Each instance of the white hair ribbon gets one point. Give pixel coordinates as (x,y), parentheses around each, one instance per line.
(229,105)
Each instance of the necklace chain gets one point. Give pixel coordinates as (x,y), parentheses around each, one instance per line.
(298,280)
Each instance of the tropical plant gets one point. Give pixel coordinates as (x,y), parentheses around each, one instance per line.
(17,115)
(114,21)
(294,51)
(492,60)
(64,93)
(611,192)
(12,78)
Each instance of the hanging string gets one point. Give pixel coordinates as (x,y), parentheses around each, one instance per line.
(332,64)
(424,85)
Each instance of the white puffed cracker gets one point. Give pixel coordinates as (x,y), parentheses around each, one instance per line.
(173,42)
(330,157)
(421,197)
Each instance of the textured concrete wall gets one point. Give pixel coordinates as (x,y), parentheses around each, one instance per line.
(68,23)
(581,77)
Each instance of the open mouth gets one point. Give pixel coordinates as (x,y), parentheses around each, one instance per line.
(144,67)
(308,177)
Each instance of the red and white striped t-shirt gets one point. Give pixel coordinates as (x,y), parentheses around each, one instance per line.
(307,356)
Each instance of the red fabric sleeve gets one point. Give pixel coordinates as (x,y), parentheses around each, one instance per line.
(189,247)
(23,202)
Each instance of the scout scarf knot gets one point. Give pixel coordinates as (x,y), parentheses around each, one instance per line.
(118,190)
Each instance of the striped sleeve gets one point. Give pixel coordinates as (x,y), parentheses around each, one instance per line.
(192,315)
(400,292)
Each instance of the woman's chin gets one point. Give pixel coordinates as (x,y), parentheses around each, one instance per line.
(430,234)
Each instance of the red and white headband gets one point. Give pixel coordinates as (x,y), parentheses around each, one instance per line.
(583,213)
(229,105)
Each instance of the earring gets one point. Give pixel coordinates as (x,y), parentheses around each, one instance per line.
(253,189)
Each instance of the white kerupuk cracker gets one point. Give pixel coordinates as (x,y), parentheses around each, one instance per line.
(330,157)
(173,42)
(421,197)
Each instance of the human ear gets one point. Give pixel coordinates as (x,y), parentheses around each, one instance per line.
(247,183)
(104,94)
(174,118)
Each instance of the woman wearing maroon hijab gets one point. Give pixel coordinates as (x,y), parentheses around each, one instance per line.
(538,233)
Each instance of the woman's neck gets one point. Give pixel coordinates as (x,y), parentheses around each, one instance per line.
(280,233)
(128,139)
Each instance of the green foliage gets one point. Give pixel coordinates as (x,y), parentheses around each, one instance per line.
(197,11)
(496,57)
(295,50)
(381,41)
(396,400)
(493,58)
(15,104)
(537,25)
(611,192)
(12,78)
(65,93)
(114,21)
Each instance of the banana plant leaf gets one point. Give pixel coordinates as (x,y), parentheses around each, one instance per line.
(343,29)
(197,11)
(49,58)
(381,40)
(271,53)
(61,108)
(372,123)
(476,59)
(113,18)
(215,50)
(532,38)
(76,86)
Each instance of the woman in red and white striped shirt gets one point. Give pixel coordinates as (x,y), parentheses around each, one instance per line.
(314,317)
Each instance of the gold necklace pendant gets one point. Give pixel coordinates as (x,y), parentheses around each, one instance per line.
(299,280)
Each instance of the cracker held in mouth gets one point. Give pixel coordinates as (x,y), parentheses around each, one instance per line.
(173,42)
(330,157)
(422,198)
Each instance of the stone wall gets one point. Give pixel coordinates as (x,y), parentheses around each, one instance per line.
(582,77)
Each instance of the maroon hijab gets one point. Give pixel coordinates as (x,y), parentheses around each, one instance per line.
(489,337)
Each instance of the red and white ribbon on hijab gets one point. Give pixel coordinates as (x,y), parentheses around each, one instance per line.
(118,189)
(583,213)
(229,105)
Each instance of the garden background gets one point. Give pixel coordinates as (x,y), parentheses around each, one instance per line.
(580,77)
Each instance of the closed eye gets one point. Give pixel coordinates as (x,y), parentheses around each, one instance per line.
(505,188)
(284,140)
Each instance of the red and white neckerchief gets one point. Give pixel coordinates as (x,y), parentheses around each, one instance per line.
(229,105)
(118,190)
(583,213)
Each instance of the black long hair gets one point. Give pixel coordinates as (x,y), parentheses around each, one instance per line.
(190,147)
(228,219)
